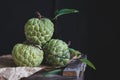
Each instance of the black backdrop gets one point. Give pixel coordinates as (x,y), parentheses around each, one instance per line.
(89,30)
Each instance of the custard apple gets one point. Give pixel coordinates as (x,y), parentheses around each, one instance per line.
(39,31)
(56,52)
(27,55)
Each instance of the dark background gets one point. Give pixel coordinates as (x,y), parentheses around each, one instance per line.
(90,30)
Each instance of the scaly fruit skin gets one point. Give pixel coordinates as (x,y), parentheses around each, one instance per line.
(27,55)
(56,52)
(39,31)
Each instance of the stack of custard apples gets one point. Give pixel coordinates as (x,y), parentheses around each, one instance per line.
(39,45)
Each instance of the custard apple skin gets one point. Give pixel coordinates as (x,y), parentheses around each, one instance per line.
(39,31)
(56,53)
(27,55)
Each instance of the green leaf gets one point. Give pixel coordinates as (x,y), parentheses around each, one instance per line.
(64,11)
(47,74)
(89,63)
(75,52)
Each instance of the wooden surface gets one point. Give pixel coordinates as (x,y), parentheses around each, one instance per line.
(6,61)
(39,76)
(73,71)
(10,71)
(51,78)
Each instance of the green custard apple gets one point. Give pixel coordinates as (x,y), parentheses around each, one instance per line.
(27,55)
(39,31)
(56,52)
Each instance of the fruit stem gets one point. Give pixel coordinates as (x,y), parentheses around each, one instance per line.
(69,43)
(39,15)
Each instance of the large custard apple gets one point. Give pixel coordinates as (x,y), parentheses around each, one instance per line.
(27,55)
(39,31)
(56,52)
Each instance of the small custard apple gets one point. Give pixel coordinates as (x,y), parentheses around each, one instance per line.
(39,31)
(56,52)
(27,55)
